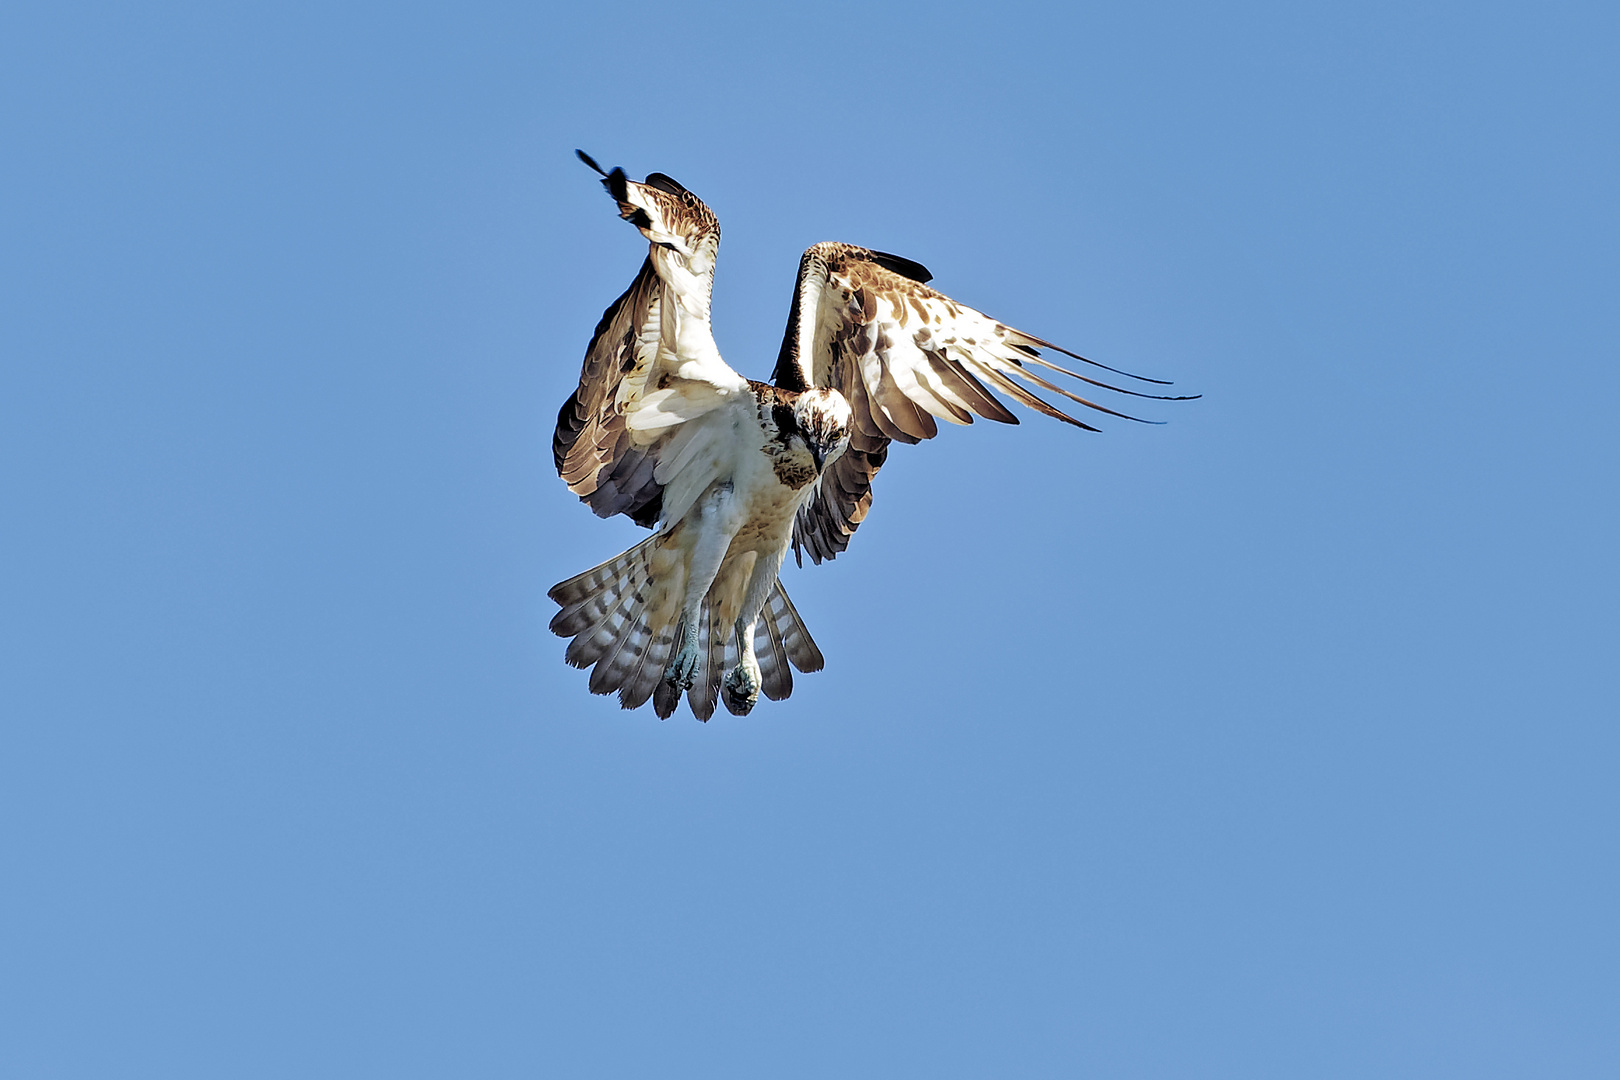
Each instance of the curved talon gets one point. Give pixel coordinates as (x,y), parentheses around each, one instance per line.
(682,670)
(740,689)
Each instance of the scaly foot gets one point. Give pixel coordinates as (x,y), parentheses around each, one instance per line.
(740,688)
(683,669)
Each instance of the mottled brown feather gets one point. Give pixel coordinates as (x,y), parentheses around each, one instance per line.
(855,315)
(591,447)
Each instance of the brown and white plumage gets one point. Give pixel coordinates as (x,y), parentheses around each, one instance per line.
(629,644)
(730,471)
(866,324)
(652,358)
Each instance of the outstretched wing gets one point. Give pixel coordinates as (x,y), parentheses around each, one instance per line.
(866,324)
(652,364)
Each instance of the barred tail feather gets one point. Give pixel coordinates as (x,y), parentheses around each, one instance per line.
(775,677)
(650,675)
(620,633)
(604,610)
(621,662)
(705,692)
(796,640)
(598,606)
(592,643)
(598,585)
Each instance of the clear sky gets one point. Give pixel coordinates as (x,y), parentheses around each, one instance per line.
(1279,741)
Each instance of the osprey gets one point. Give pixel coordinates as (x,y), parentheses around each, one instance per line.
(731,472)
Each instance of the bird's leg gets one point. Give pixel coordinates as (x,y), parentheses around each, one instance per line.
(682,669)
(740,688)
(715,520)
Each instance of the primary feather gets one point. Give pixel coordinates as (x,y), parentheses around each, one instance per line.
(732,472)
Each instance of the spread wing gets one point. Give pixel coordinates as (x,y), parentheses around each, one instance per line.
(652,364)
(866,324)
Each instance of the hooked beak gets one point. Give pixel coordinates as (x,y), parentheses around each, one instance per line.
(818,455)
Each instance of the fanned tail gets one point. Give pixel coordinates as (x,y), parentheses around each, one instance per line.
(616,633)
(626,629)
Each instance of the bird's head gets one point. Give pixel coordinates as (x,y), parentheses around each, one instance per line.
(823,418)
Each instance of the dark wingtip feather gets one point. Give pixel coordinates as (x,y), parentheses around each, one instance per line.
(903,266)
(1105,367)
(1031,339)
(1055,388)
(614,181)
(1045,363)
(666,184)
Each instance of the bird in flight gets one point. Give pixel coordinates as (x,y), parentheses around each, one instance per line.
(729,472)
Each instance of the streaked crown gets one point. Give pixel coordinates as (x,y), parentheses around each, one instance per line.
(824,417)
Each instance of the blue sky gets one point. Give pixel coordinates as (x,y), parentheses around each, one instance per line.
(1276,741)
